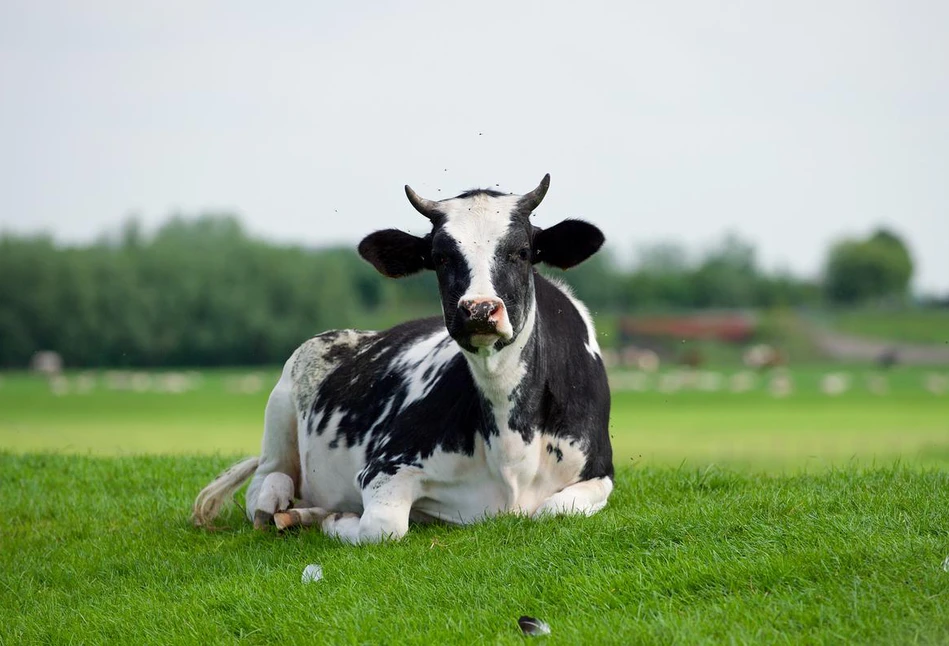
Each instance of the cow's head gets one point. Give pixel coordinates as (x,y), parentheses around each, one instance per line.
(482,247)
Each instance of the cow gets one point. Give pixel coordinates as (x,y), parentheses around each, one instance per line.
(499,406)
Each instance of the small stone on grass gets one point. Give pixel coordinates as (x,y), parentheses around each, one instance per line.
(312,572)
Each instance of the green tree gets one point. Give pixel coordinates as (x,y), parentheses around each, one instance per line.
(661,278)
(858,271)
(200,291)
(728,275)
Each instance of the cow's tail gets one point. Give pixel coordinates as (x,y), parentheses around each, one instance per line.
(209,502)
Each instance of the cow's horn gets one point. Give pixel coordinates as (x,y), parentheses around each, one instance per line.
(428,208)
(533,199)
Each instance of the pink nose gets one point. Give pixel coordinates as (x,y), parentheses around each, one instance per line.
(482,312)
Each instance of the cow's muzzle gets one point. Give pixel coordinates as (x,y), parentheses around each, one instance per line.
(480,318)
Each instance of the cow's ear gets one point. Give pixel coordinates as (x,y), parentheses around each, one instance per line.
(566,244)
(396,253)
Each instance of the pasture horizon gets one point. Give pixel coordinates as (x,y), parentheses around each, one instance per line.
(904,418)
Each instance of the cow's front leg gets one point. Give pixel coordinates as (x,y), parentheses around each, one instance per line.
(342,526)
(587,498)
(387,502)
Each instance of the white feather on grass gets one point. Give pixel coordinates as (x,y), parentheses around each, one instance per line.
(531,626)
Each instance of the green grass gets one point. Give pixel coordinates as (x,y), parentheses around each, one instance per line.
(915,326)
(99,550)
(753,429)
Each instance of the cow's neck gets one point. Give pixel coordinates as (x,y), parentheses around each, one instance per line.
(503,378)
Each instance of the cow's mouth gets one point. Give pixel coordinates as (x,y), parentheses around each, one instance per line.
(484,340)
(487,339)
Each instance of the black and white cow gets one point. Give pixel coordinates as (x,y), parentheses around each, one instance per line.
(500,406)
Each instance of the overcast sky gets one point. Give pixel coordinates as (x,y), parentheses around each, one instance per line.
(793,124)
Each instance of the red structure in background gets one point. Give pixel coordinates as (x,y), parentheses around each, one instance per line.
(732,328)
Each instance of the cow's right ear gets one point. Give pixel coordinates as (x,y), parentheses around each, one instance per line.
(396,253)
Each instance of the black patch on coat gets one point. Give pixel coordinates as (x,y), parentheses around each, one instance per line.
(555,449)
(448,418)
(559,454)
(511,273)
(454,278)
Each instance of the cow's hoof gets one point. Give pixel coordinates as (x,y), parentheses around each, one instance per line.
(285,519)
(262,519)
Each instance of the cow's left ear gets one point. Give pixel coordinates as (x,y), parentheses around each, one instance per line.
(396,253)
(566,244)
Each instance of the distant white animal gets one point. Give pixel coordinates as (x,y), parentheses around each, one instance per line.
(835,383)
(46,362)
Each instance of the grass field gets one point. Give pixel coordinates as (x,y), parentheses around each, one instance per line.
(738,517)
(919,326)
(99,550)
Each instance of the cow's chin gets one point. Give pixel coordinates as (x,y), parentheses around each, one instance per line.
(484,343)
(484,340)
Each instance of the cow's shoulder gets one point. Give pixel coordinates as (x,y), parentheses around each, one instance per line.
(565,319)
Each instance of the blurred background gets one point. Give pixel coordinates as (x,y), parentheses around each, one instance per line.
(183,187)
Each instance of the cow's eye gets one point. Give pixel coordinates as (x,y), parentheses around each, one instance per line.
(524,253)
(439,259)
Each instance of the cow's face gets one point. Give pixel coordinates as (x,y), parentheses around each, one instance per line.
(482,247)
(481,252)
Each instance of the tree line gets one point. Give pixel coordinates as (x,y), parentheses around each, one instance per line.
(203,292)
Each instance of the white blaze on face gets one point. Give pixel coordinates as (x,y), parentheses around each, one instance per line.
(478,224)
